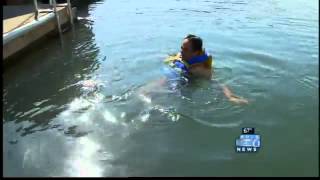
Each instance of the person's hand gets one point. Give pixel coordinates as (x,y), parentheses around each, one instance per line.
(238,100)
(233,98)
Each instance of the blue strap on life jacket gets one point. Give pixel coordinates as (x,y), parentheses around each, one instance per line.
(194,60)
(198,59)
(180,65)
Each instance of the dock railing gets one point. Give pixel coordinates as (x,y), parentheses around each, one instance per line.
(53,5)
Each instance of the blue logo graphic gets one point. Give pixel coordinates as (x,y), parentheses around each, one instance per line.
(248,142)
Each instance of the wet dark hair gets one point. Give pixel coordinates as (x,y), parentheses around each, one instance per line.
(196,42)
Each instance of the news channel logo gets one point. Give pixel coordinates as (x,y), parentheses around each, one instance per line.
(248,141)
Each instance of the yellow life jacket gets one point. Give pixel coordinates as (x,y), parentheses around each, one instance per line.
(203,58)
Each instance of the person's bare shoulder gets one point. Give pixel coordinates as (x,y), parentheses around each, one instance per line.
(199,70)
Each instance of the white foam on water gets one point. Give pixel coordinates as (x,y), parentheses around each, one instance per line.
(78,103)
(145,117)
(145,98)
(108,116)
(123,115)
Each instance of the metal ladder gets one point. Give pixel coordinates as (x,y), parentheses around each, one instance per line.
(53,4)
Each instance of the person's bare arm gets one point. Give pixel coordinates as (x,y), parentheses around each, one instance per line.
(232,97)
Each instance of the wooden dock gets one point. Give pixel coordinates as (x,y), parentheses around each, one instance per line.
(21,29)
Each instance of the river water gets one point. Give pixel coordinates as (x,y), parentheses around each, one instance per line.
(264,51)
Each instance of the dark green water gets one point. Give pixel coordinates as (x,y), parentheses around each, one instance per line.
(265,51)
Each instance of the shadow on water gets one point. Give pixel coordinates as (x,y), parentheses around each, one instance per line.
(36,90)
(35,87)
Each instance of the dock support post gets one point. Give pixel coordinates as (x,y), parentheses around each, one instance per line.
(57,15)
(70,12)
(36,9)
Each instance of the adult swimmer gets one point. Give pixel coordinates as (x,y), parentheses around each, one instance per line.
(193,62)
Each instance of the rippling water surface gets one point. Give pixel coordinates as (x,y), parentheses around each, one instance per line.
(89,105)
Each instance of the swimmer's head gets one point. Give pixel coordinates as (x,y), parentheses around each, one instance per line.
(191,46)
